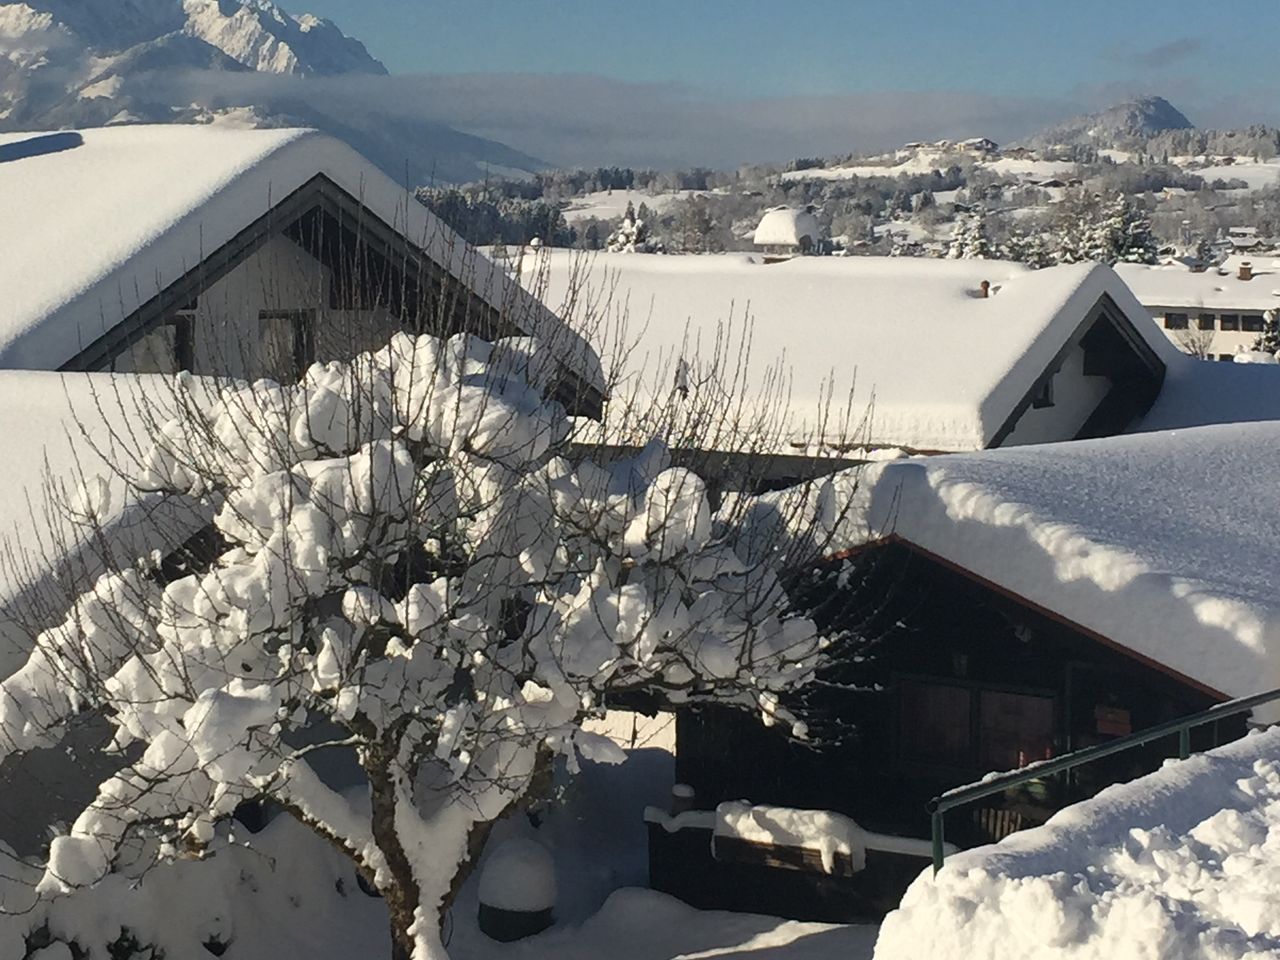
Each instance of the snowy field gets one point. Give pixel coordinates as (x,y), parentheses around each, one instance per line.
(1257,175)
(928,161)
(1184,863)
(607,205)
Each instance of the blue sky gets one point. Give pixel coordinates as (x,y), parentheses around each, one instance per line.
(772,47)
(1012,63)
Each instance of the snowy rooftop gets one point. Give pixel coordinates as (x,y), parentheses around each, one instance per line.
(97,222)
(785,227)
(1164,543)
(1180,863)
(1198,393)
(944,366)
(1214,289)
(62,429)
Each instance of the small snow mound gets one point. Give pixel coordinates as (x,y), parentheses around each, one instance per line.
(1255,356)
(520,876)
(821,830)
(785,227)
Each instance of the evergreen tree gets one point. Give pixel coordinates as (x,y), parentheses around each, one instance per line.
(631,236)
(971,240)
(1129,228)
(1032,249)
(1269,340)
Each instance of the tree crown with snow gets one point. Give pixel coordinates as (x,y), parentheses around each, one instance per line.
(412,561)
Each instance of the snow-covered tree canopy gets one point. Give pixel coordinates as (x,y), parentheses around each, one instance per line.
(408,565)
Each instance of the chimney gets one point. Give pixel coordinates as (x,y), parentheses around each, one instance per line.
(985,288)
(1246,270)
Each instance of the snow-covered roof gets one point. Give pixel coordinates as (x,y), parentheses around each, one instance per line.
(1179,863)
(97,222)
(59,433)
(1163,543)
(1213,289)
(786,227)
(1197,393)
(944,366)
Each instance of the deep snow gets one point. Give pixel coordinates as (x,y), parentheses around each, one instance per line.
(893,351)
(1183,863)
(1161,542)
(285,893)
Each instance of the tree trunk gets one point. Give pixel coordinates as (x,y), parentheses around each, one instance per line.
(402,895)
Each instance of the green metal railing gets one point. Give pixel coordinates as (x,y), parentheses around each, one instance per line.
(938,806)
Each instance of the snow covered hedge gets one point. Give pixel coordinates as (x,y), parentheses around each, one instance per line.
(407,565)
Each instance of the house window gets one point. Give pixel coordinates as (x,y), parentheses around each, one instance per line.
(1016,729)
(165,348)
(1205,321)
(967,728)
(1231,321)
(1251,323)
(1228,357)
(1044,395)
(1175,321)
(935,725)
(286,340)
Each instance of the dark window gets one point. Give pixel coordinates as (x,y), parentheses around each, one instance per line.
(1231,321)
(166,347)
(184,339)
(1251,323)
(935,725)
(1016,729)
(1044,395)
(287,341)
(1205,321)
(1228,357)
(1175,321)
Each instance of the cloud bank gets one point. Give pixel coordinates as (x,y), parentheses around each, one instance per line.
(579,120)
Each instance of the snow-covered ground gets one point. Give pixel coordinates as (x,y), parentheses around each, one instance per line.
(1257,175)
(1030,169)
(610,205)
(643,925)
(285,893)
(1184,863)
(926,161)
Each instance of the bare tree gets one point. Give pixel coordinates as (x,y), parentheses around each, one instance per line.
(1197,342)
(417,557)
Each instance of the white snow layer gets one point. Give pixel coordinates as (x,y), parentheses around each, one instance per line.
(821,830)
(92,231)
(520,875)
(1164,543)
(1215,289)
(1184,863)
(908,343)
(62,432)
(785,227)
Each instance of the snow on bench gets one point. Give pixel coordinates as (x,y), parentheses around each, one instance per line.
(817,841)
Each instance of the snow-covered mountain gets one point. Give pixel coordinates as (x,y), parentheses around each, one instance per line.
(79,63)
(1113,127)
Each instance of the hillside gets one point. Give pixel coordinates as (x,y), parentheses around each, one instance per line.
(72,63)
(1116,126)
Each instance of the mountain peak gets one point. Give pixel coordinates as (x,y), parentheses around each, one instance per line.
(1135,119)
(256,33)
(261,36)
(87,63)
